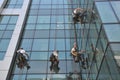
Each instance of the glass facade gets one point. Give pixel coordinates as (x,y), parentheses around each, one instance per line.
(107,29)
(49,26)
(14,4)
(7,25)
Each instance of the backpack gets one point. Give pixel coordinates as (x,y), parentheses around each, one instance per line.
(20,57)
(52,57)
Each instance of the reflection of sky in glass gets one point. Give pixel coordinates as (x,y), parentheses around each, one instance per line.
(106,13)
(113,32)
(116,7)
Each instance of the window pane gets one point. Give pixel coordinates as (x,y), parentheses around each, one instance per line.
(31,19)
(16,77)
(44,12)
(116,6)
(110,29)
(28,34)
(26,44)
(43,19)
(103,9)
(40,44)
(34,6)
(39,55)
(7,34)
(1,33)
(10,27)
(43,26)
(41,34)
(57,33)
(60,34)
(52,44)
(60,44)
(30,26)
(2,55)
(38,67)
(13,19)
(45,6)
(62,55)
(68,44)
(4,42)
(4,19)
(45,1)
(69,56)
(72,66)
(35,1)
(33,12)
(36,77)
(2,27)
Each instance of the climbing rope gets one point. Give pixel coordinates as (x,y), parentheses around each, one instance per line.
(55,38)
(27,69)
(20,74)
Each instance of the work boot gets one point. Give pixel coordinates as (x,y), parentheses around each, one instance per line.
(28,67)
(50,68)
(58,68)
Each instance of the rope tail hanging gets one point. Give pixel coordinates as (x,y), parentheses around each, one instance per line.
(55,38)
(83,42)
(26,75)
(20,74)
(27,69)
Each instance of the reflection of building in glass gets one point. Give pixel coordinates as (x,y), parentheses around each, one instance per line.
(42,26)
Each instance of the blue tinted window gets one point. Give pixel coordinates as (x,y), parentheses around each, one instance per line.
(13,20)
(43,19)
(110,29)
(43,26)
(116,6)
(14,4)
(32,19)
(7,34)
(2,55)
(4,19)
(10,27)
(38,67)
(40,45)
(60,44)
(36,76)
(41,34)
(2,27)
(4,42)
(45,1)
(30,26)
(35,1)
(26,44)
(29,34)
(7,25)
(106,13)
(39,55)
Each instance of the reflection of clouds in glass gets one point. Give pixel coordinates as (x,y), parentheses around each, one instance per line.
(60,25)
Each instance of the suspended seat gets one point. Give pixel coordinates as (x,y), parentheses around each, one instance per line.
(79,15)
(21,62)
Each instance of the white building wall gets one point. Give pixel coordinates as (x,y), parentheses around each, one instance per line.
(2,3)
(6,62)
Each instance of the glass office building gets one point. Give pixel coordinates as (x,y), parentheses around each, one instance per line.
(42,26)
